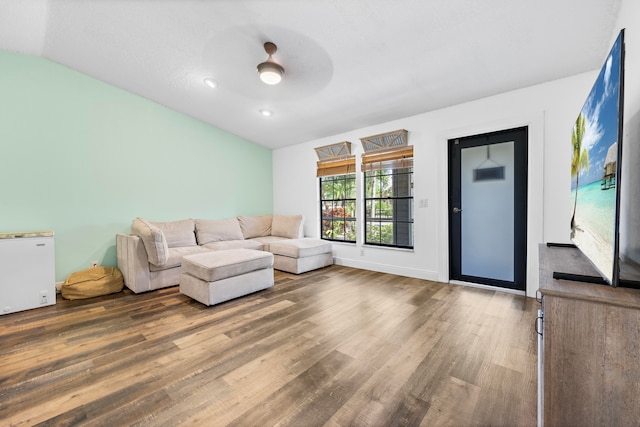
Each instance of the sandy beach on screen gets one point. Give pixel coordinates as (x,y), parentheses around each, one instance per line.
(595,247)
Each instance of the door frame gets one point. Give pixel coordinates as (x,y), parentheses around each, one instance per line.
(535,177)
(520,137)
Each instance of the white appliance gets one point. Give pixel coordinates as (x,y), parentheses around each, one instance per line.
(27,271)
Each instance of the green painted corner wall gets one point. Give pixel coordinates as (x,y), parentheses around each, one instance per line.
(83,158)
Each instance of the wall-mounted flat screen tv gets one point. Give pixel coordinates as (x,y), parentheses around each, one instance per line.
(596,154)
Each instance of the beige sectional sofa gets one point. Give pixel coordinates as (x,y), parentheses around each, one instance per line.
(151,256)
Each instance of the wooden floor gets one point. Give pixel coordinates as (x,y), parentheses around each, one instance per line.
(336,347)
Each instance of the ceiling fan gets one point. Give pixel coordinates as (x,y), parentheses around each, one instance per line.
(270,71)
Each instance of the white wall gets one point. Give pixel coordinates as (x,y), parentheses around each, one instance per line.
(630,182)
(548,109)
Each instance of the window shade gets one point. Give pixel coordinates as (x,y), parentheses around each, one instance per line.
(337,167)
(389,159)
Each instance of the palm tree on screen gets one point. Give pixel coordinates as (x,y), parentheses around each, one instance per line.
(580,160)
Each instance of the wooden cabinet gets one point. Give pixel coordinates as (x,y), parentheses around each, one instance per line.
(591,346)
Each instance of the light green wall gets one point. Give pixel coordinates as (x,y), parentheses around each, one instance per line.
(84,158)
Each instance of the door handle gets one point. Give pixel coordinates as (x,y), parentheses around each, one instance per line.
(457,210)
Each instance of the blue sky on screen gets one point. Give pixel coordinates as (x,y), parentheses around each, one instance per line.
(601,116)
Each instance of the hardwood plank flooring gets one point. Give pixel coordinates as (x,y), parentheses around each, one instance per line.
(336,347)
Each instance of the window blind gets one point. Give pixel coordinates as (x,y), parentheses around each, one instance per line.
(389,159)
(336,167)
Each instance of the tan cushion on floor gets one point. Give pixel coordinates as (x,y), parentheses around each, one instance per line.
(153,239)
(255,226)
(218,265)
(217,230)
(300,248)
(92,282)
(290,227)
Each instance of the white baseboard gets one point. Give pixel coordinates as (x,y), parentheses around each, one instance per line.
(387,268)
(58,286)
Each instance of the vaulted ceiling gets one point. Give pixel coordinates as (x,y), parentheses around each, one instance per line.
(349,63)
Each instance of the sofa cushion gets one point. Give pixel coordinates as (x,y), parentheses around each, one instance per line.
(178,233)
(301,248)
(290,227)
(267,240)
(217,230)
(174,258)
(255,226)
(214,265)
(153,239)
(235,244)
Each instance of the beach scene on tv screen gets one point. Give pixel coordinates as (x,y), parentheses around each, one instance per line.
(594,144)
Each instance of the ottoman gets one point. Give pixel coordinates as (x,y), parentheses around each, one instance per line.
(218,276)
(301,255)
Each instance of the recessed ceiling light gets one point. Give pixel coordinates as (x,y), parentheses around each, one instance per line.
(211,83)
(265,112)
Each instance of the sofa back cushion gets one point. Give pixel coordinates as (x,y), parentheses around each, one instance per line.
(290,227)
(217,230)
(153,239)
(255,226)
(178,233)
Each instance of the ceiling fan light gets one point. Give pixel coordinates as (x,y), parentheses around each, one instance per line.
(211,82)
(270,72)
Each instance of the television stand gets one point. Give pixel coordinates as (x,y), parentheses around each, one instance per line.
(579,278)
(625,269)
(560,245)
(589,349)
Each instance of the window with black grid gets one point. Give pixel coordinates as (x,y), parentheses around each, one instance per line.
(338,207)
(388,207)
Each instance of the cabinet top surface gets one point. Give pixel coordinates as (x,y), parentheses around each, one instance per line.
(17,235)
(569,260)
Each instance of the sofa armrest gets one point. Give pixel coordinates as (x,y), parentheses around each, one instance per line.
(133,262)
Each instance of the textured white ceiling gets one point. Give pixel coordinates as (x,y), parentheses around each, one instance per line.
(349,63)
